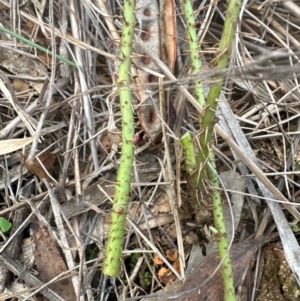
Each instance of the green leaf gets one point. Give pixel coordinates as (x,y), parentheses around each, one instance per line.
(5,225)
(294,227)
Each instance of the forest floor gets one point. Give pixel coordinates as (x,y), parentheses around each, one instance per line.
(60,138)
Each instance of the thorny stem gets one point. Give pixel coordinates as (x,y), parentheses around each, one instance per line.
(112,260)
(221,237)
(207,123)
(194,181)
(194,49)
(189,152)
(205,153)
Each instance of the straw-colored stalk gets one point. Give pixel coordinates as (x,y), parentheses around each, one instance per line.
(112,260)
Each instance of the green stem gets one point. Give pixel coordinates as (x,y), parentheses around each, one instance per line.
(207,122)
(112,260)
(221,238)
(195,184)
(37,46)
(205,153)
(189,152)
(194,49)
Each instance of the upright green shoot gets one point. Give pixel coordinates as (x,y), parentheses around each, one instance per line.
(205,171)
(222,55)
(112,260)
(193,49)
(221,236)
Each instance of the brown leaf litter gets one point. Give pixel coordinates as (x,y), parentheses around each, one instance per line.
(49,262)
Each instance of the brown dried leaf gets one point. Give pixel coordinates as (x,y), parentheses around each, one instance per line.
(45,58)
(161,204)
(172,255)
(110,140)
(20,65)
(49,262)
(148,15)
(149,120)
(20,85)
(157,260)
(158,35)
(106,141)
(47,159)
(241,255)
(168,33)
(176,265)
(165,276)
(29,25)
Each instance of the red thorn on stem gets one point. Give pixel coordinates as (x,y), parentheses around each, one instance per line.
(120,210)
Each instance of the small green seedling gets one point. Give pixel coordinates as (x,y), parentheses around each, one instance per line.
(5,225)
(295,228)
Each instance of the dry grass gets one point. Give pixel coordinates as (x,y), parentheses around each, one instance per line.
(74,118)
